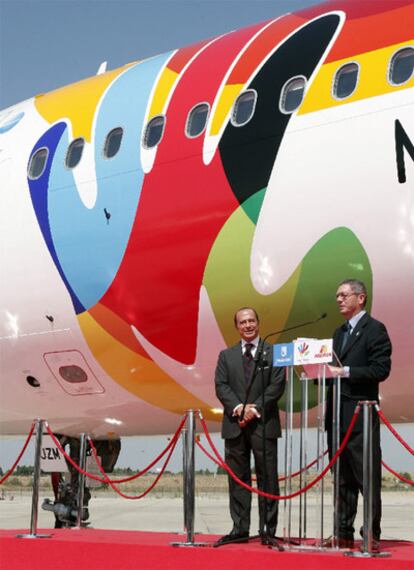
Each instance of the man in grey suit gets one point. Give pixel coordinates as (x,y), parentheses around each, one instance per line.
(364,349)
(251,428)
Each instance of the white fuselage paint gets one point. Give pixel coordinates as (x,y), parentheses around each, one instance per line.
(353,183)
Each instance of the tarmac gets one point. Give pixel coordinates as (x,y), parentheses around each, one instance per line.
(165,514)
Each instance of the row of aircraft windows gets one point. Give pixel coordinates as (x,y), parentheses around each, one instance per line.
(344,85)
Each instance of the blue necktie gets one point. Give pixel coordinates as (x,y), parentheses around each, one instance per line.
(346,336)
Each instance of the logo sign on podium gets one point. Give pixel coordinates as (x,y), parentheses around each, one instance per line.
(312,351)
(283,354)
(303,351)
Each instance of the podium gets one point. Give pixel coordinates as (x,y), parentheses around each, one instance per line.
(306,361)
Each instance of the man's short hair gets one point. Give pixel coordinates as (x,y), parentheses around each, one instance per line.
(357,287)
(245,309)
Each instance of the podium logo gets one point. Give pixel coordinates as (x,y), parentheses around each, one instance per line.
(323,351)
(303,349)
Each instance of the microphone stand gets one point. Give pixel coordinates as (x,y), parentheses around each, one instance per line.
(259,354)
(260,363)
(264,531)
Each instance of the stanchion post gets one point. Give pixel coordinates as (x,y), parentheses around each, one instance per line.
(367,481)
(367,465)
(36,481)
(81,481)
(190,479)
(184,440)
(189,482)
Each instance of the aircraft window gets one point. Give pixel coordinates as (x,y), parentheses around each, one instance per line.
(113,142)
(292,95)
(345,81)
(37,163)
(154,131)
(74,153)
(401,66)
(197,120)
(73,374)
(243,108)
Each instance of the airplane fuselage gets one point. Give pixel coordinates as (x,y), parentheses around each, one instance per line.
(142,207)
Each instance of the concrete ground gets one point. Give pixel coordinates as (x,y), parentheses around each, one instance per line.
(165,514)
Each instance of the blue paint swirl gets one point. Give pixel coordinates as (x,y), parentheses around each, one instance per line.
(88,244)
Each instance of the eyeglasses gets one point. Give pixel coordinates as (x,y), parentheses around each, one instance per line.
(344,295)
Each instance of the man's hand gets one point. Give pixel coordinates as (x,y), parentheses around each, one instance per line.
(336,371)
(250,413)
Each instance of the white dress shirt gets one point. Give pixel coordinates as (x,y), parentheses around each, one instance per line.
(255,343)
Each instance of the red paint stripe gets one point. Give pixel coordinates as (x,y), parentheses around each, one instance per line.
(261,47)
(368,26)
(180,59)
(182,208)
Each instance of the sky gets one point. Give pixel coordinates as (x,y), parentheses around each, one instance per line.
(47,44)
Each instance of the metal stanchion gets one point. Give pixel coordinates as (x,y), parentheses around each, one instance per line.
(81,481)
(190,487)
(189,483)
(184,441)
(367,457)
(36,480)
(367,482)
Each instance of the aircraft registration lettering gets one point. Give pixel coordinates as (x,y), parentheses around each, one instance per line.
(51,459)
(402,141)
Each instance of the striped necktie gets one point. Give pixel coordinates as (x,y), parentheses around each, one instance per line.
(248,360)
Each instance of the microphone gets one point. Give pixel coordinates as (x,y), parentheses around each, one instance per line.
(322,316)
(260,352)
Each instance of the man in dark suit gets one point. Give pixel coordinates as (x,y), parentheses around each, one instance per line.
(251,428)
(364,350)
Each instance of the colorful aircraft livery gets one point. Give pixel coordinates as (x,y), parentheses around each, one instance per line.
(147,204)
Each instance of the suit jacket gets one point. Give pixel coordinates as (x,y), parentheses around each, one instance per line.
(231,389)
(368,355)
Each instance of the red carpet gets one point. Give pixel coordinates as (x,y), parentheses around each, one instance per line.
(91,549)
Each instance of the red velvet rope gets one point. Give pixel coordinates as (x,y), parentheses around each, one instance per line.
(160,456)
(300,491)
(305,468)
(118,481)
(392,430)
(114,487)
(68,457)
(397,474)
(13,467)
(204,450)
